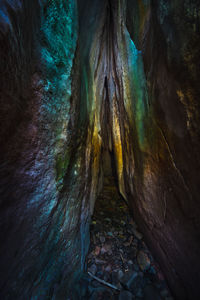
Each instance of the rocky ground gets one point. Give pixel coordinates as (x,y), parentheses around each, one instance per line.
(119,264)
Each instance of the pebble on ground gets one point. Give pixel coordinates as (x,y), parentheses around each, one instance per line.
(119,256)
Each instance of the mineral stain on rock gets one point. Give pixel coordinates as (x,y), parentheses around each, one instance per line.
(80,82)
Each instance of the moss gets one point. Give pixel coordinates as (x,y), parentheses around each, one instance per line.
(62,162)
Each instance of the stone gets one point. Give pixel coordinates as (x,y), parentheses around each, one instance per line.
(102,239)
(135,283)
(106,276)
(108,268)
(151,293)
(152,270)
(94,284)
(106,249)
(90,256)
(120,274)
(128,277)
(143,260)
(125,295)
(126,244)
(101,293)
(129,242)
(100,261)
(100,273)
(137,234)
(110,233)
(135,243)
(119,286)
(97,250)
(92,269)
(107,219)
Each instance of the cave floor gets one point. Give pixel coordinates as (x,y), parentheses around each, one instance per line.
(118,254)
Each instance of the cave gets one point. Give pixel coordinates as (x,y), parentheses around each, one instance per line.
(100,149)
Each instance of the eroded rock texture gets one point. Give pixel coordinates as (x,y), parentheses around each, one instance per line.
(79,79)
(167,180)
(41,242)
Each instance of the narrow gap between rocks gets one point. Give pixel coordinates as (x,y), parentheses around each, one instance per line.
(118,254)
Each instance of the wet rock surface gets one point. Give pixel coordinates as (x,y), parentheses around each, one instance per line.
(77,78)
(118,254)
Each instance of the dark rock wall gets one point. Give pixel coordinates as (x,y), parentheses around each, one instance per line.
(42,168)
(167,202)
(79,80)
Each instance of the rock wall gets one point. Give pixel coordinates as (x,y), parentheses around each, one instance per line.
(42,157)
(167,180)
(79,79)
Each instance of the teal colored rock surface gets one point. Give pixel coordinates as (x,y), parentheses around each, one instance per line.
(79,80)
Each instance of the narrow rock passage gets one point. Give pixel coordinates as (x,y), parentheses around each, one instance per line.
(118,254)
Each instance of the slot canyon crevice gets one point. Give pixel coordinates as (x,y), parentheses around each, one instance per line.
(82,81)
